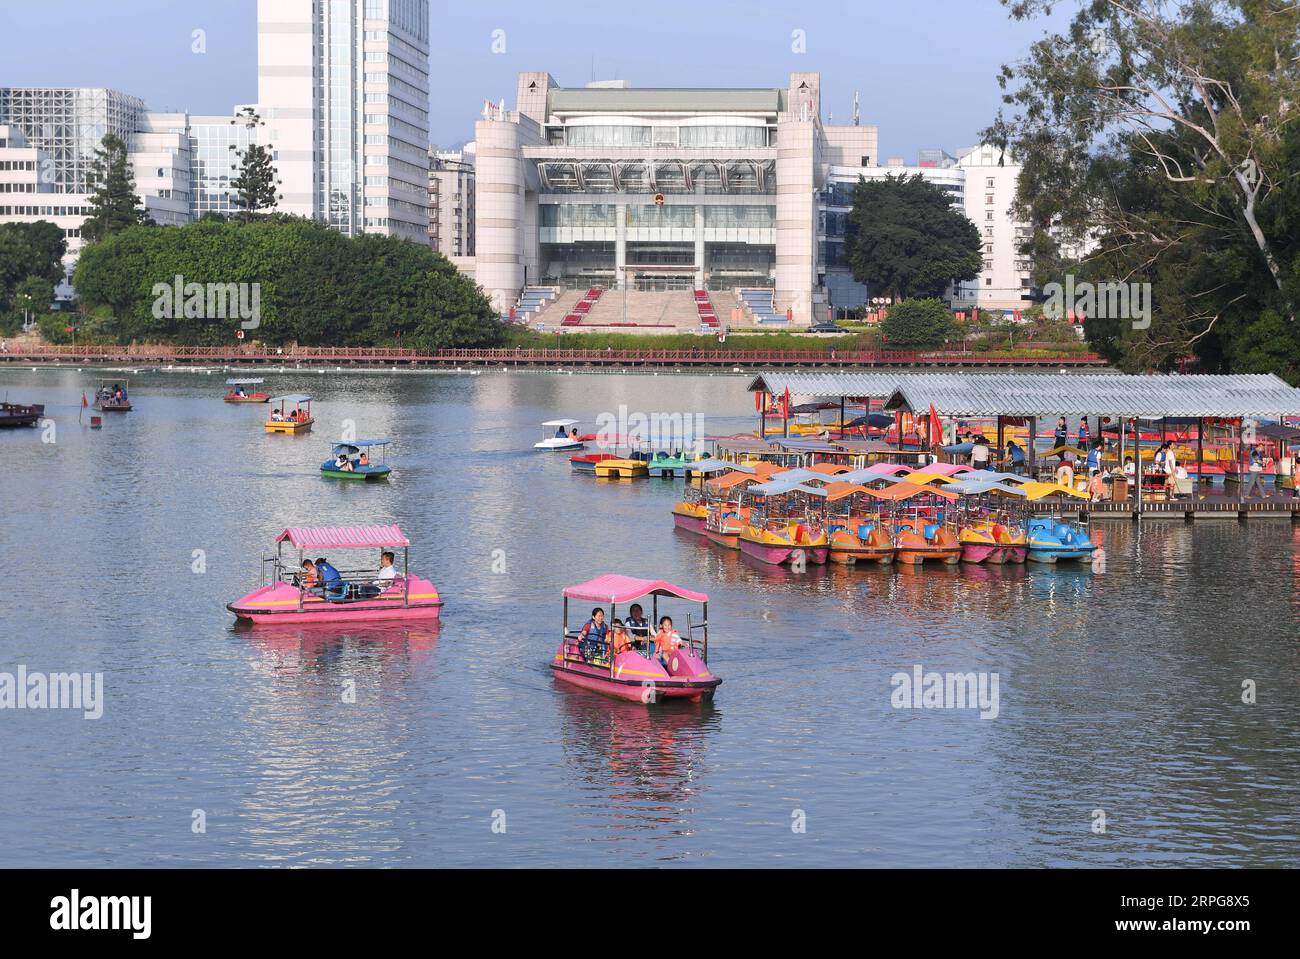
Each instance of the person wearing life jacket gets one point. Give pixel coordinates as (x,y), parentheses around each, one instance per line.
(363,459)
(667,641)
(619,641)
(331,581)
(591,638)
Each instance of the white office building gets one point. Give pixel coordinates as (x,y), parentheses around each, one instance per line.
(451,202)
(48,139)
(343,88)
(659,190)
(1004,281)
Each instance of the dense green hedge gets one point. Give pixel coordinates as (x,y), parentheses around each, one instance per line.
(316,287)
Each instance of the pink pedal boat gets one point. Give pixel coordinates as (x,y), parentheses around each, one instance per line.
(640,673)
(293,594)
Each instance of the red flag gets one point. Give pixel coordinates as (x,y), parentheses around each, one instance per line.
(936,428)
(84,401)
(785,404)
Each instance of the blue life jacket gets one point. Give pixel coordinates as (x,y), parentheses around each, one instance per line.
(329,576)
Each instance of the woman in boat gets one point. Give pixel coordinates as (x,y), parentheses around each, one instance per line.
(591,638)
(667,641)
(331,581)
(343,463)
(573,434)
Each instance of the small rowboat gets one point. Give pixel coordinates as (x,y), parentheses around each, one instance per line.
(642,673)
(284,420)
(111,396)
(360,468)
(241,395)
(372,593)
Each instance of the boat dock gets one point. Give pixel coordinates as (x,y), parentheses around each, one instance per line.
(1241,404)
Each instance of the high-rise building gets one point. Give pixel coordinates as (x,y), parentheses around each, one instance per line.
(451,201)
(657,189)
(216,147)
(67,124)
(59,129)
(343,87)
(1004,280)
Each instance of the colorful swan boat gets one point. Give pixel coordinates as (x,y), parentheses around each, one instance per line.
(855,527)
(368,594)
(1052,540)
(641,673)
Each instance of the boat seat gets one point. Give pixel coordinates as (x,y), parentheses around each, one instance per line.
(931,529)
(864,530)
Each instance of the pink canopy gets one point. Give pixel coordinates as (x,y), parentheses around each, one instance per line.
(344,537)
(889,468)
(613,588)
(947,469)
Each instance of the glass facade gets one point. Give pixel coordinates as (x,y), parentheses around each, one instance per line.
(215,148)
(67,124)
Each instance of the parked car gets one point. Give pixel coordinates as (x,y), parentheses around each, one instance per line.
(826,327)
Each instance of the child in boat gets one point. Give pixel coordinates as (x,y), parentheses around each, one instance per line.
(591,638)
(309,579)
(363,459)
(667,641)
(619,640)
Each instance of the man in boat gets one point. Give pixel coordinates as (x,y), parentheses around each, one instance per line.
(638,625)
(276,416)
(387,571)
(363,459)
(591,638)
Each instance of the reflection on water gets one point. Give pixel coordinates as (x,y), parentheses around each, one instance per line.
(1121,690)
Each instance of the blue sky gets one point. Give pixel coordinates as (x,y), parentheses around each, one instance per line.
(926,71)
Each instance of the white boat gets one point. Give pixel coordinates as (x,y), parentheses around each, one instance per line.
(555,437)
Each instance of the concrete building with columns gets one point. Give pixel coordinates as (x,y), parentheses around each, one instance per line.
(658,189)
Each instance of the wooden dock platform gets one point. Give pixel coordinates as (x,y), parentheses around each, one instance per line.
(1218,508)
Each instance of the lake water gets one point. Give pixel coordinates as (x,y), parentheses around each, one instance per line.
(1119,691)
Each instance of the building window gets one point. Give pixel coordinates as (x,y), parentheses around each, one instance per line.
(989,183)
(988,281)
(988,201)
(988,215)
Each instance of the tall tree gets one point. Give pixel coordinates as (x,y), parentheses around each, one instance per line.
(1161,145)
(257,182)
(113,202)
(904,238)
(29,250)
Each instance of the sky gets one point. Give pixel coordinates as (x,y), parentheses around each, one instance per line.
(926,72)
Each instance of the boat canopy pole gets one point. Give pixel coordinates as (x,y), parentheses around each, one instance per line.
(706,632)
(1200,457)
(406,575)
(1137,456)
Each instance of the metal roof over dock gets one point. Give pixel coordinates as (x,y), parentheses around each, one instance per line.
(1148,396)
